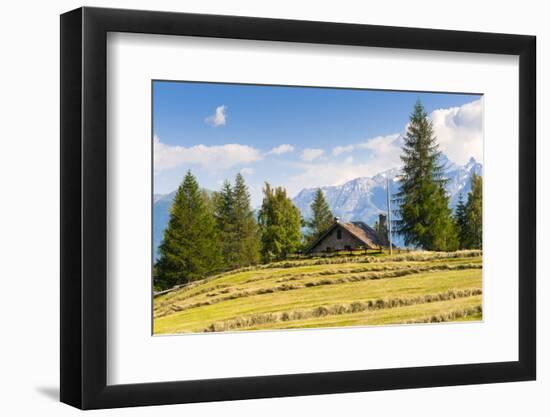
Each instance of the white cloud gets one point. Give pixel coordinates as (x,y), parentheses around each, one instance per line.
(217,157)
(459,135)
(382,145)
(247,171)
(342,149)
(309,154)
(459,131)
(281,149)
(379,144)
(219,117)
(327,173)
(383,153)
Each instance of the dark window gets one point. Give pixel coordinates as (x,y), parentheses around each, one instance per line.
(339,234)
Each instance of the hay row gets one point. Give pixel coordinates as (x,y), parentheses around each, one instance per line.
(353,271)
(450,316)
(420,256)
(183,295)
(336,309)
(174,308)
(223,288)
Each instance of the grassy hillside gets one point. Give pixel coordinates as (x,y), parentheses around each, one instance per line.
(329,292)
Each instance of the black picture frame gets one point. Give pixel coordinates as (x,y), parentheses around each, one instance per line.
(84,207)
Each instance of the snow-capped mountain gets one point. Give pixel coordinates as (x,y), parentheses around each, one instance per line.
(459,179)
(161,215)
(359,199)
(364,198)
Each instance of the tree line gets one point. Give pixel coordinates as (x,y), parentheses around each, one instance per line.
(213,232)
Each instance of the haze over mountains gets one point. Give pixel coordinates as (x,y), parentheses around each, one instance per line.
(361,199)
(364,198)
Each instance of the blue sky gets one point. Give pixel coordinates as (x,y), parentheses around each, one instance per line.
(293,136)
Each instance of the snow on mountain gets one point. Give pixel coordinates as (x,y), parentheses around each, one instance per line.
(161,215)
(459,179)
(361,199)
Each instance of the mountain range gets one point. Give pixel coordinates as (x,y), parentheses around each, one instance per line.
(361,199)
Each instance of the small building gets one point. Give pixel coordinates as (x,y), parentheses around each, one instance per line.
(348,236)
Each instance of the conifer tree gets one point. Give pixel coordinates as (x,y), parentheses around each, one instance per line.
(224,213)
(189,250)
(279,221)
(461,220)
(423,206)
(245,228)
(474,214)
(321,217)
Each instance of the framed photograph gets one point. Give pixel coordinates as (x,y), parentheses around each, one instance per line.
(257,208)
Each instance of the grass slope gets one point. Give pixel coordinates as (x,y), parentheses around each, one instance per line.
(328,292)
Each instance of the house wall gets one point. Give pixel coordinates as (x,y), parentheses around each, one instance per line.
(332,242)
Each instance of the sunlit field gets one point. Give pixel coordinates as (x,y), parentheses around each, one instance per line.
(359,290)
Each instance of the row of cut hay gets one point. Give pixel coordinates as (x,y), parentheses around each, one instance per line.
(419,256)
(337,309)
(193,284)
(450,316)
(353,271)
(290,276)
(174,308)
(167,301)
(293,276)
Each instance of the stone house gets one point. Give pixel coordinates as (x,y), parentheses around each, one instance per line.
(348,236)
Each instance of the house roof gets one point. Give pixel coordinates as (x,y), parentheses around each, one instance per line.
(363,232)
(360,230)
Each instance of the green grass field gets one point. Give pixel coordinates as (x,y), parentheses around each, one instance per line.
(418,287)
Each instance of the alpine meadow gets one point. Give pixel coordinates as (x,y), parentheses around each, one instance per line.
(302,207)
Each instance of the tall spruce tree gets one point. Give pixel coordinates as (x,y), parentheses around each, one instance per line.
(224,213)
(190,249)
(425,219)
(461,220)
(474,214)
(245,227)
(321,217)
(279,221)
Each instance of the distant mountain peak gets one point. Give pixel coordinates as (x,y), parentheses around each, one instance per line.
(363,198)
(360,199)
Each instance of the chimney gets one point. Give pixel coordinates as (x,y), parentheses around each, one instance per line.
(381,221)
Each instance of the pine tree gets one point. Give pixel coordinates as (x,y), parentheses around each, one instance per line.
(279,221)
(189,250)
(461,221)
(425,219)
(474,214)
(245,227)
(224,213)
(321,217)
